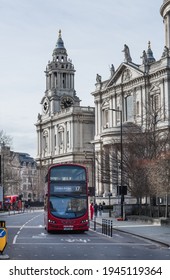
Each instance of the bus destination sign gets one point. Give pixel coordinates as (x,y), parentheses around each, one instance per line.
(67,189)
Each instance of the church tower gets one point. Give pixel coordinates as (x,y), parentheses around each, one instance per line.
(165,13)
(64,128)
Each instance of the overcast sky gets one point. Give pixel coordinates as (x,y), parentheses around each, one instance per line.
(94,33)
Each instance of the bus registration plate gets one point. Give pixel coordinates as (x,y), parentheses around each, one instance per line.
(68,228)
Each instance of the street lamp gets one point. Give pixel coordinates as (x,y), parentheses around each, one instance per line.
(121,159)
(109,194)
(93,175)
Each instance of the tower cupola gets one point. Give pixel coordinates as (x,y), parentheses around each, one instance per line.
(59,52)
(60,43)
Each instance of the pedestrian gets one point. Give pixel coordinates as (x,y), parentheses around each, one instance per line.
(95,209)
(100,209)
(91,211)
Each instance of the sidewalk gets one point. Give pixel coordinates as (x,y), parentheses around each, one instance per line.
(154,232)
(16,212)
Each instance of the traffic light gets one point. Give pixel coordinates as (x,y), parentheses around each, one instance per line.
(121,190)
(91,191)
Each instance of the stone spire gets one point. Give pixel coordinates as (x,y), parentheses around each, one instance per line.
(149,54)
(60,43)
(59,48)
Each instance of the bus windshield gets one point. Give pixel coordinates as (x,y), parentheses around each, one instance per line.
(67,207)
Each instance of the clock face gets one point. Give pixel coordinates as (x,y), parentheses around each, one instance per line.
(45,105)
(66,102)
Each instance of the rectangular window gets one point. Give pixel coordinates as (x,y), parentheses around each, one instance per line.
(55,77)
(118,114)
(60,142)
(105,118)
(129,108)
(155,102)
(68,137)
(137,108)
(64,80)
(55,140)
(156,108)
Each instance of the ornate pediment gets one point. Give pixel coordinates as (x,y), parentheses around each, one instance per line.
(125,73)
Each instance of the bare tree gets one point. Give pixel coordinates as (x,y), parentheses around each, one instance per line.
(41,176)
(142,144)
(142,147)
(5,139)
(134,154)
(159,178)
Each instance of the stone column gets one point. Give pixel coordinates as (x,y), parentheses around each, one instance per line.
(165,13)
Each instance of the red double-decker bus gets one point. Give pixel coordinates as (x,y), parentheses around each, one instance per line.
(12,202)
(66,198)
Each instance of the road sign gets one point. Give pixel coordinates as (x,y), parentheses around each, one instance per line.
(2,232)
(3,239)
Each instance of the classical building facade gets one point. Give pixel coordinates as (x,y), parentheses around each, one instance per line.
(64,128)
(124,97)
(19,175)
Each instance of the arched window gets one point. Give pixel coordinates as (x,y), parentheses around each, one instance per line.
(60,136)
(129,108)
(45,140)
(105,118)
(137,108)
(156,102)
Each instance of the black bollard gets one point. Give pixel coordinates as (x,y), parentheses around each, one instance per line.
(95,223)
(103,221)
(111,228)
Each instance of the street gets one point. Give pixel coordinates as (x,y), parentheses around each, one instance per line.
(28,240)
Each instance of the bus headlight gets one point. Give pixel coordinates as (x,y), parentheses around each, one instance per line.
(52,221)
(84,221)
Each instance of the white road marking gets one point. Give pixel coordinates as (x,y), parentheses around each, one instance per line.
(19,226)
(41,235)
(70,240)
(16,236)
(91,244)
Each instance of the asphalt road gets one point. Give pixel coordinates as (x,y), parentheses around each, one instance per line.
(28,240)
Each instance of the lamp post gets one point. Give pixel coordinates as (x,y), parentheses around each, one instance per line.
(121,159)
(109,194)
(93,175)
